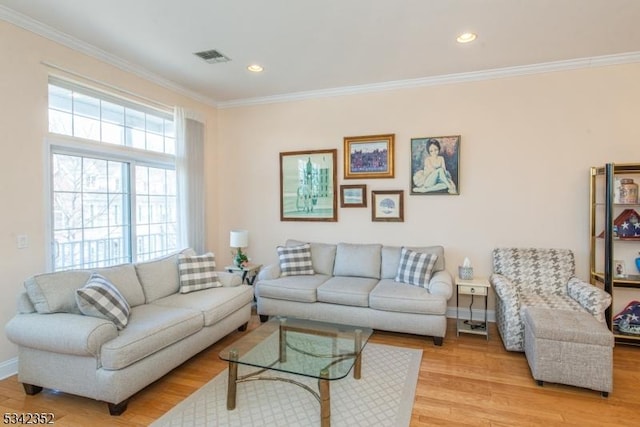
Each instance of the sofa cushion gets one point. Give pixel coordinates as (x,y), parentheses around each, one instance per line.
(197,272)
(295,260)
(323,255)
(215,304)
(293,288)
(159,277)
(391,258)
(358,260)
(56,292)
(100,298)
(389,295)
(415,267)
(124,278)
(347,290)
(151,328)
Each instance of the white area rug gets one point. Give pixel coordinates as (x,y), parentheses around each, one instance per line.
(382,397)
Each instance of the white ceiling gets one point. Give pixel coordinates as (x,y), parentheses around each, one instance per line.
(320,45)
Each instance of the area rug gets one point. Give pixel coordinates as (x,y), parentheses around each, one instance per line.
(382,397)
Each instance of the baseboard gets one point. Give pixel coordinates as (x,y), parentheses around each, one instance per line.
(477,314)
(8,368)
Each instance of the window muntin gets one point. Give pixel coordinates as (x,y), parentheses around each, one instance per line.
(110,205)
(88,114)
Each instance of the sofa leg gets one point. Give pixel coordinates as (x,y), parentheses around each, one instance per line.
(118,408)
(31,389)
(437,341)
(243,328)
(540,383)
(605,394)
(263,318)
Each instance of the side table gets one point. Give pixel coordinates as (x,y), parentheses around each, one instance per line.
(248,272)
(474,287)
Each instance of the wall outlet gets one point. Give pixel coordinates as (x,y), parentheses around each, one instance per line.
(22,241)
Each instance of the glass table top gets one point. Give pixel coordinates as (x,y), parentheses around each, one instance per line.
(304,347)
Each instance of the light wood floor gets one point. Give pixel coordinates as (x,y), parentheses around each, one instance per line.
(467,381)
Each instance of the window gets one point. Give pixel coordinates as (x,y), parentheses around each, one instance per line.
(113,180)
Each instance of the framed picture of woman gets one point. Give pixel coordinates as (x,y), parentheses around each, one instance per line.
(435,163)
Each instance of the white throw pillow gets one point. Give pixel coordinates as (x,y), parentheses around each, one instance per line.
(415,267)
(295,260)
(197,272)
(100,298)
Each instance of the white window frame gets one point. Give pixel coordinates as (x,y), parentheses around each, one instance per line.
(75,146)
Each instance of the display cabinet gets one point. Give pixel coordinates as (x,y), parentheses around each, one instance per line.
(615,239)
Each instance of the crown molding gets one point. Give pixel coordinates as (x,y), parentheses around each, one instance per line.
(52,34)
(34,26)
(498,73)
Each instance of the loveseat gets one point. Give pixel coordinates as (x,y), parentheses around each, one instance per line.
(400,289)
(110,358)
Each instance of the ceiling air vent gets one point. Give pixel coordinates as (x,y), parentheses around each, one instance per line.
(212,56)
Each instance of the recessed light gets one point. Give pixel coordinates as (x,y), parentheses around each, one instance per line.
(466,37)
(255,68)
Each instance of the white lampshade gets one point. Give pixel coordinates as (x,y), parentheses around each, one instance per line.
(239,238)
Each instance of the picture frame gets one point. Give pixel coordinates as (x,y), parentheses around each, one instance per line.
(308,189)
(619,268)
(369,156)
(353,196)
(435,172)
(387,206)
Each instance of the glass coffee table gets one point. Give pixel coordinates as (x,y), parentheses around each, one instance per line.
(320,350)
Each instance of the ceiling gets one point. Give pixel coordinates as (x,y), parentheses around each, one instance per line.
(311,46)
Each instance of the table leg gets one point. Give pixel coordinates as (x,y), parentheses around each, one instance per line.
(283,341)
(232,380)
(325,399)
(357,344)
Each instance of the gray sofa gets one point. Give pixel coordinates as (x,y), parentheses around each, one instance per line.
(60,348)
(355,284)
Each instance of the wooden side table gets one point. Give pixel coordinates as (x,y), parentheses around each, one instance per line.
(474,287)
(248,272)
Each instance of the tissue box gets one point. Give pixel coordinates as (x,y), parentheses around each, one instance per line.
(465,273)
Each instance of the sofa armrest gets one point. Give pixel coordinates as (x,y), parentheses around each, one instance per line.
(229,279)
(269,272)
(64,333)
(441,283)
(504,288)
(592,298)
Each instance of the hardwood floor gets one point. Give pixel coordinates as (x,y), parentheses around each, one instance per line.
(467,381)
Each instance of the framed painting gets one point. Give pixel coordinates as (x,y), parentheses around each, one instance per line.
(435,165)
(387,206)
(353,196)
(308,186)
(368,156)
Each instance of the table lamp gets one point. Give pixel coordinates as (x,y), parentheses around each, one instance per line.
(239,239)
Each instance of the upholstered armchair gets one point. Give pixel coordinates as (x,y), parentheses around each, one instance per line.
(542,278)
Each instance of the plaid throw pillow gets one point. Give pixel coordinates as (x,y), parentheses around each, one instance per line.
(295,260)
(197,272)
(100,298)
(415,267)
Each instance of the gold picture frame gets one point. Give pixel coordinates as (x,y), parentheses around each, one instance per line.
(369,156)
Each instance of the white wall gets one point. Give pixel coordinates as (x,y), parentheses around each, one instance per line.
(23,127)
(527,145)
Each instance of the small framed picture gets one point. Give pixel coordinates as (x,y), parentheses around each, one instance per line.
(619,269)
(368,156)
(353,196)
(387,206)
